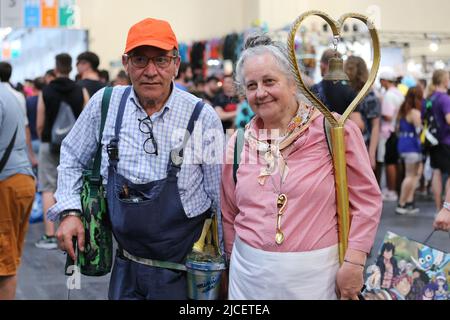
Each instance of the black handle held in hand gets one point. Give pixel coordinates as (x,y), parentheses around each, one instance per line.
(429,237)
(360,295)
(70,263)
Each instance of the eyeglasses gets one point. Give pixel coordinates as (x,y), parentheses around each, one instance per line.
(142,61)
(281,205)
(146,126)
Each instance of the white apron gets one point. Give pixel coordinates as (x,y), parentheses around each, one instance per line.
(262,275)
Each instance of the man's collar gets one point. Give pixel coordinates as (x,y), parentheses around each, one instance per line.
(167,106)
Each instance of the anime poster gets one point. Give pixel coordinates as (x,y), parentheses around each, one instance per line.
(408,270)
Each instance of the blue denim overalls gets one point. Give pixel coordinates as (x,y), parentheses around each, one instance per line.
(153,226)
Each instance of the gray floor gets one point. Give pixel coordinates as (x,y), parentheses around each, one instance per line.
(41,275)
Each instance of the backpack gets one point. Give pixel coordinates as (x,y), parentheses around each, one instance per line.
(64,121)
(239,145)
(429,135)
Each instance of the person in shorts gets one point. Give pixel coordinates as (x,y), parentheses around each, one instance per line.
(17,189)
(440,154)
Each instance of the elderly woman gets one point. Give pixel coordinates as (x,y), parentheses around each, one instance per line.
(280,222)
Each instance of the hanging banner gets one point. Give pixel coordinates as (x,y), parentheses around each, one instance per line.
(49,11)
(66,13)
(11,13)
(32,14)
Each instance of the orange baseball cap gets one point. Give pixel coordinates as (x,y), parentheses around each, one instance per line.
(151,32)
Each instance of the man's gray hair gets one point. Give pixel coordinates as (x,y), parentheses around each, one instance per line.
(259,44)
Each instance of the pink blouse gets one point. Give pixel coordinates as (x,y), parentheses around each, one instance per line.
(309,221)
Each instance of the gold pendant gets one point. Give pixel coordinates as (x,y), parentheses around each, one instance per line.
(281,201)
(279,237)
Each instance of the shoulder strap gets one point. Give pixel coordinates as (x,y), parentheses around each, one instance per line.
(327,130)
(238,146)
(8,150)
(194,117)
(176,158)
(98,156)
(121,111)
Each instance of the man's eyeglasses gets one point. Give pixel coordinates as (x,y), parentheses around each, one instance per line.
(281,205)
(142,61)
(146,126)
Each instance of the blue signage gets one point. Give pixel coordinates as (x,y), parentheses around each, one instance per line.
(32,13)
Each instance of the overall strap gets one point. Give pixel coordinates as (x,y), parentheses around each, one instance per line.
(8,150)
(176,155)
(113,146)
(95,178)
(121,111)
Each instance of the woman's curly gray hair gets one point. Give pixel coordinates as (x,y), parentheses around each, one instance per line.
(258,44)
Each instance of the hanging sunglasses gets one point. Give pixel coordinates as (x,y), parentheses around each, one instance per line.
(146,127)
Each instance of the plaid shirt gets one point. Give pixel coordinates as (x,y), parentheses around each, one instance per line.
(199,178)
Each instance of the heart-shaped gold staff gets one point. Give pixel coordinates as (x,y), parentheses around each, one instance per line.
(337,125)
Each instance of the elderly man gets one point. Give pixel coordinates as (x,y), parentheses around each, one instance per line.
(157,205)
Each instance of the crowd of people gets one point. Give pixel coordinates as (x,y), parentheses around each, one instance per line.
(266,216)
(391,120)
(40,98)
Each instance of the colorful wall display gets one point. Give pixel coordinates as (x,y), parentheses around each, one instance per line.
(49,13)
(37,13)
(32,12)
(66,13)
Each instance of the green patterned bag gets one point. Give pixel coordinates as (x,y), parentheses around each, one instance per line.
(96,260)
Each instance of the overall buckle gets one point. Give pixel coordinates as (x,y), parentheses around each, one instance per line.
(113,150)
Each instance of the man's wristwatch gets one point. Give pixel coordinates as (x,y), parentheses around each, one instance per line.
(67,213)
(447,205)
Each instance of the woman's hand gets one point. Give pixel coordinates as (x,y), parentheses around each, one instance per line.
(349,281)
(442,220)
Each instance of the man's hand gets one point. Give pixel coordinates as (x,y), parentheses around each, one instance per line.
(70,227)
(349,281)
